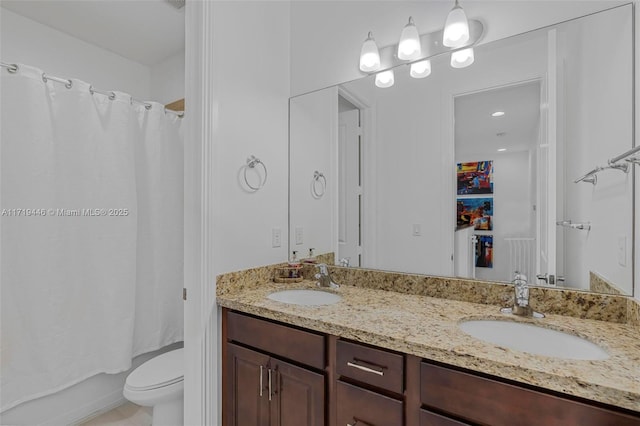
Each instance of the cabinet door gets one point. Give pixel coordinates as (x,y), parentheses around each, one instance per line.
(298,396)
(247,399)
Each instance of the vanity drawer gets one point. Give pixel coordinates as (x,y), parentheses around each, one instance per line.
(427,418)
(486,401)
(375,367)
(365,407)
(298,345)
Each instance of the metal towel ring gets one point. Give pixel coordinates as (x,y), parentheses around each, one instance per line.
(252,161)
(318,178)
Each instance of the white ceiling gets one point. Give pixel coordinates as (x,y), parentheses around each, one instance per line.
(145,31)
(477,131)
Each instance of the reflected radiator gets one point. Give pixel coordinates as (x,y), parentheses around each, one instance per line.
(521,255)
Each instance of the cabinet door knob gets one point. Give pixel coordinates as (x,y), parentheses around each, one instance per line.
(367,369)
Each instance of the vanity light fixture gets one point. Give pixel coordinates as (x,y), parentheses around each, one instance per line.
(409,45)
(369,55)
(420,69)
(498,114)
(456,28)
(462,58)
(414,49)
(385,79)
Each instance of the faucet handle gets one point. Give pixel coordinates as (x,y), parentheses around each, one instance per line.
(323,268)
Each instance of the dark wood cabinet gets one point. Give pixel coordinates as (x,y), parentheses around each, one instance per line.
(263,390)
(487,401)
(248,404)
(298,396)
(280,375)
(363,407)
(428,418)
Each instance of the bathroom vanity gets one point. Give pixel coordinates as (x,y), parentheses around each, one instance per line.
(387,358)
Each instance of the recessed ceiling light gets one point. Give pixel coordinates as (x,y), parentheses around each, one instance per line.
(498,114)
(502,149)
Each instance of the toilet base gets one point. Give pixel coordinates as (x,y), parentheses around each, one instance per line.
(169,413)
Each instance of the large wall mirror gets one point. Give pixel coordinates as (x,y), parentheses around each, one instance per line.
(471,172)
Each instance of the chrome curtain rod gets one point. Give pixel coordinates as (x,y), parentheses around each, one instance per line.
(13,68)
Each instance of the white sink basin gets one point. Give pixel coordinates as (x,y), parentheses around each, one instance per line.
(533,339)
(305,297)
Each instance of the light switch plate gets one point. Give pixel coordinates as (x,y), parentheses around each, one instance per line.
(299,235)
(276,237)
(622,250)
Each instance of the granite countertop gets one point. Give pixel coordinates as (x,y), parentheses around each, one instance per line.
(427,327)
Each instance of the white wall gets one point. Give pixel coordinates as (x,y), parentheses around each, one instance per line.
(167,80)
(327,35)
(252,86)
(636,258)
(313,133)
(23,40)
(596,131)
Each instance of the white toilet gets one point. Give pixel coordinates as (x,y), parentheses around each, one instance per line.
(158,383)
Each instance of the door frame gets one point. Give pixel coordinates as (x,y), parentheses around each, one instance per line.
(202,362)
(368,158)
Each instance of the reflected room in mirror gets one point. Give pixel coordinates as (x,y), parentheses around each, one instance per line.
(475,172)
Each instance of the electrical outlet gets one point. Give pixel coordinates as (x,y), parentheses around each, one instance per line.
(622,250)
(417,230)
(276,237)
(299,235)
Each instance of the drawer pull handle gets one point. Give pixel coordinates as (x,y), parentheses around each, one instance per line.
(261,381)
(367,369)
(269,371)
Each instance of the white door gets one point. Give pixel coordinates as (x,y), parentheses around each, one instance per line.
(349,186)
(547,171)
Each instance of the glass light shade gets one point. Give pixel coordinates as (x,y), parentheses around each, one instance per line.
(409,46)
(462,58)
(385,79)
(369,55)
(456,28)
(420,69)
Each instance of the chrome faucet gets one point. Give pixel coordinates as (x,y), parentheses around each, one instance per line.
(521,299)
(323,277)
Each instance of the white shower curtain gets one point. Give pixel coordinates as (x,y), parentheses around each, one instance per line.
(91,233)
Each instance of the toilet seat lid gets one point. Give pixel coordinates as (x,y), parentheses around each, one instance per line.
(159,371)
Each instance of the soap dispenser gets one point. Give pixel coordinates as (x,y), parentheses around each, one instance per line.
(294,265)
(311,258)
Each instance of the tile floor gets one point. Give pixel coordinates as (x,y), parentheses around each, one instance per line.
(127,414)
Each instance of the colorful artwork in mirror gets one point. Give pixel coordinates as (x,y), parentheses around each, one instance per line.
(475,211)
(484,251)
(475,178)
